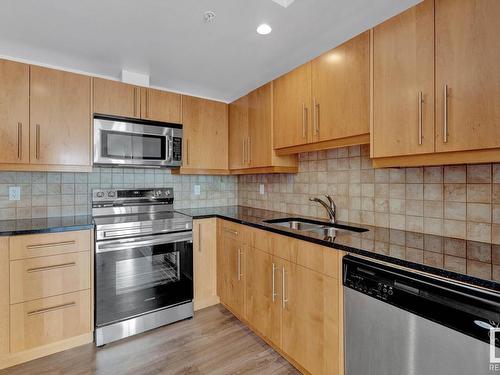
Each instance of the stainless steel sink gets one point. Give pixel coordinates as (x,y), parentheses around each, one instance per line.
(326,228)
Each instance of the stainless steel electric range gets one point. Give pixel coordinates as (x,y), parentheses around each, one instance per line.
(143,262)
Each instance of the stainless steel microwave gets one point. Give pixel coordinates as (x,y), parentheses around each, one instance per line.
(136,143)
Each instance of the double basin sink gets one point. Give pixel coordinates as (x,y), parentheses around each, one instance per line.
(319,227)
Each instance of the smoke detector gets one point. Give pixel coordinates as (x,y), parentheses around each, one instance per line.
(284,3)
(209,16)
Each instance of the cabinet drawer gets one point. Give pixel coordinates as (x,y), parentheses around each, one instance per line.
(263,240)
(48,320)
(37,245)
(49,276)
(235,231)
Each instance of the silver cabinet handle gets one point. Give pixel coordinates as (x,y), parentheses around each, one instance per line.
(244,151)
(420,118)
(51,244)
(199,238)
(147,103)
(284,300)
(187,151)
(239,264)
(249,141)
(304,121)
(274,287)
(37,145)
(49,309)
(227,230)
(445,114)
(48,268)
(135,102)
(19,140)
(316,117)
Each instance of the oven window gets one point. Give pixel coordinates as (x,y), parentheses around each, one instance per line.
(121,145)
(141,279)
(147,272)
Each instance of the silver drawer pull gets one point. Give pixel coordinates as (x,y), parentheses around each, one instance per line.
(49,309)
(52,244)
(230,231)
(48,268)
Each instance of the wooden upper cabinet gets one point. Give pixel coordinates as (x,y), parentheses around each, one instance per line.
(161,106)
(292,108)
(260,122)
(341,91)
(403,84)
(467,64)
(205,126)
(60,117)
(14,112)
(116,98)
(238,133)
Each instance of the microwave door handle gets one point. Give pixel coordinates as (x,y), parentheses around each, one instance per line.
(170,141)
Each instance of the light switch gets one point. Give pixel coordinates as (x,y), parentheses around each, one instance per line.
(261,189)
(14,193)
(197,190)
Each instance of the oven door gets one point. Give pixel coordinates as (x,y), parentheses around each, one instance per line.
(139,275)
(136,143)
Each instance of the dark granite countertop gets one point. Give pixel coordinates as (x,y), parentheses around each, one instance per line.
(471,262)
(45,225)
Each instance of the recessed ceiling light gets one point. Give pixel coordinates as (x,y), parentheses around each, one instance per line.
(264,29)
(209,16)
(284,3)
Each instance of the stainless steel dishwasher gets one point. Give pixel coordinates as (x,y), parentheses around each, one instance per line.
(405,323)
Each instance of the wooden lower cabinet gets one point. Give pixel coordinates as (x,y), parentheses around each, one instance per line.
(46,294)
(310,319)
(205,263)
(292,296)
(263,289)
(230,274)
(45,321)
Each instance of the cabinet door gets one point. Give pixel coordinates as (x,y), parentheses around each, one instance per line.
(238,133)
(310,331)
(116,98)
(262,298)
(14,112)
(230,274)
(59,117)
(205,124)
(403,69)
(161,106)
(341,91)
(260,126)
(467,57)
(292,115)
(205,263)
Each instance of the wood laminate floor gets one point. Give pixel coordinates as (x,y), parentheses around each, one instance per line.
(213,342)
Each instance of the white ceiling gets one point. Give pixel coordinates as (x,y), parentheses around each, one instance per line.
(170,41)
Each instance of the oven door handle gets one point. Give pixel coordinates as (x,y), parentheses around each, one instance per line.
(128,243)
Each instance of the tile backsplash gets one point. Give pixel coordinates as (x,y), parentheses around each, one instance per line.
(457,201)
(53,194)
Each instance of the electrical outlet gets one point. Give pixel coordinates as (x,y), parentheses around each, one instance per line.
(197,190)
(261,189)
(14,193)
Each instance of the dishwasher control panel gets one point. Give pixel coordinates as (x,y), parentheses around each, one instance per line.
(366,281)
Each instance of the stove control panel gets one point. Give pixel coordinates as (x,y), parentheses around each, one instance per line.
(154,194)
